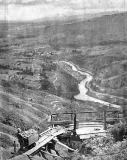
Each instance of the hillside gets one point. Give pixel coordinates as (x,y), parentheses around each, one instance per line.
(33,84)
(108,67)
(98,31)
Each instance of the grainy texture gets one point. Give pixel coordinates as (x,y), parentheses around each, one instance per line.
(48,51)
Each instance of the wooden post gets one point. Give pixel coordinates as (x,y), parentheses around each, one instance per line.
(104,119)
(75,122)
(14,147)
(52,119)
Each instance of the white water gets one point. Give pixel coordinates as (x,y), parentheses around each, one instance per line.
(83,87)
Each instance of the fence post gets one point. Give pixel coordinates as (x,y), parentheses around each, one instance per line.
(14,147)
(52,120)
(104,119)
(75,123)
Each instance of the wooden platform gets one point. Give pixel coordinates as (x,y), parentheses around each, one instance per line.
(45,138)
(90,129)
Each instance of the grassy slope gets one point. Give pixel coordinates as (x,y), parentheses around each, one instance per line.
(26,100)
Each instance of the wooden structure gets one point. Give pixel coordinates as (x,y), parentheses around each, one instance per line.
(103,120)
(27,138)
(70,129)
(45,138)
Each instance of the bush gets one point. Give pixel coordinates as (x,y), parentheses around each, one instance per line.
(5,141)
(6,84)
(119,131)
(104,148)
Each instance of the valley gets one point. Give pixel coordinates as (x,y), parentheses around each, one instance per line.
(56,68)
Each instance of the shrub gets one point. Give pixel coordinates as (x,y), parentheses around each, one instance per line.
(104,148)
(5,141)
(119,131)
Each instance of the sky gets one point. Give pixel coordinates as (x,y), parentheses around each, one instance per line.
(27,10)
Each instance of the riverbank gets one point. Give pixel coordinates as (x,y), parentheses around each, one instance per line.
(83,88)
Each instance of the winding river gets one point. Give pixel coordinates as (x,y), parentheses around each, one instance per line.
(84,87)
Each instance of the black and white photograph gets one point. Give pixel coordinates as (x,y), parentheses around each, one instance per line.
(63,79)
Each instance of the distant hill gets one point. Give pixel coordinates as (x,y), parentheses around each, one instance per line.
(104,30)
(108,29)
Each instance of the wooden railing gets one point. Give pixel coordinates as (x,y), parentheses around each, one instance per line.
(104,118)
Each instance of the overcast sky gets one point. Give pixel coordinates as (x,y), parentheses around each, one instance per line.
(23,10)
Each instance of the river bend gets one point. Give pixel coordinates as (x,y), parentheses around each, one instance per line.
(84,87)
